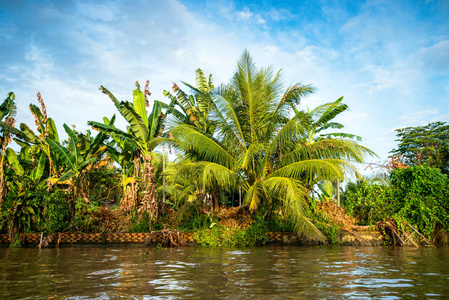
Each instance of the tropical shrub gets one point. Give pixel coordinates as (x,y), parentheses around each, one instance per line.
(57,212)
(421,197)
(22,209)
(369,202)
(84,220)
(418,196)
(329,229)
(191,218)
(221,236)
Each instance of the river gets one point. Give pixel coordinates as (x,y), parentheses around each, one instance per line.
(272,272)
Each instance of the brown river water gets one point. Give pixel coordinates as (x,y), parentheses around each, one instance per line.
(272,272)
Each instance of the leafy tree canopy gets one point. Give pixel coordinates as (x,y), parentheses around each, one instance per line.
(428,145)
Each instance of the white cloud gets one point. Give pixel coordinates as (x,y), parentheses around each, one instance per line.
(436,57)
(245,14)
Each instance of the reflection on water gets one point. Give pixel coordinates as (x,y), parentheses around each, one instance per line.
(271,272)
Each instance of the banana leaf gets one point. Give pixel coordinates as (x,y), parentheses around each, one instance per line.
(68,159)
(139,105)
(11,156)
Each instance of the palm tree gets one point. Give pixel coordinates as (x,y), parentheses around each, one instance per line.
(142,133)
(254,134)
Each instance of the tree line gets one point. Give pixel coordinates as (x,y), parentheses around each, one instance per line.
(246,142)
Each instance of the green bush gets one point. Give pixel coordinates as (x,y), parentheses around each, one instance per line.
(84,220)
(369,203)
(191,218)
(57,212)
(329,229)
(418,195)
(139,223)
(22,211)
(421,197)
(221,236)
(257,234)
(282,223)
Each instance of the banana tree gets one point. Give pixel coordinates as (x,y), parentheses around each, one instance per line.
(143,132)
(125,154)
(195,109)
(8,111)
(77,158)
(34,146)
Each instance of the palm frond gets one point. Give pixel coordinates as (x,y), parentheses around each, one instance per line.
(254,195)
(190,139)
(324,168)
(251,158)
(217,175)
(292,195)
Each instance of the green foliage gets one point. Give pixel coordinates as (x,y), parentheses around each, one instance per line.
(369,202)
(28,207)
(330,230)
(427,144)
(422,197)
(139,223)
(221,236)
(57,213)
(281,222)
(22,211)
(191,218)
(257,234)
(84,221)
(8,107)
(104,185)
(418,195)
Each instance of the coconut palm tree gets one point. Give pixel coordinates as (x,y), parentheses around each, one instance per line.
(254,134)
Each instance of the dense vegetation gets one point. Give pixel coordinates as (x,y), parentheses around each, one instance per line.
(245,143)
(413,199)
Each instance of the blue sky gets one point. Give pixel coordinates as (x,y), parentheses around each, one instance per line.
(389,59)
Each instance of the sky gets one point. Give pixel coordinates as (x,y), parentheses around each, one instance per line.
(389,59)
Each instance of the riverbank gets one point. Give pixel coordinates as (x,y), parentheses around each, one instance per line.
(358,238)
